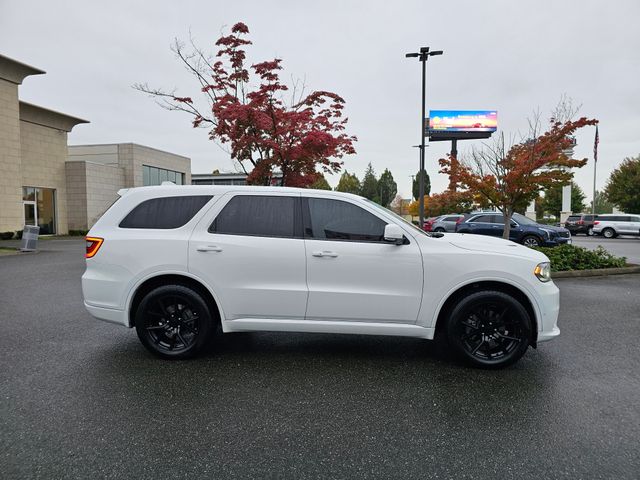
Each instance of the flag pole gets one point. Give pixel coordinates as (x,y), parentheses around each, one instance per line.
(595,164)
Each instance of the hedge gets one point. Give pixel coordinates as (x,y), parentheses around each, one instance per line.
(571,257)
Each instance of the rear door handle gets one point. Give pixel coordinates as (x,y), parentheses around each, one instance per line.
(208,248)
(325,253)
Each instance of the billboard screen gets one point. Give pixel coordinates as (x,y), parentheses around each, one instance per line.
(463,120)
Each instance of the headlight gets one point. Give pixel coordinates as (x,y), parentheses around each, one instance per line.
(543,271)
(550,233)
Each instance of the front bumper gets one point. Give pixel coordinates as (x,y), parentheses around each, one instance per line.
(556,241)
(549,308)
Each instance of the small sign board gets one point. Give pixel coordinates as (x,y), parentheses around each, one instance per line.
(29,238)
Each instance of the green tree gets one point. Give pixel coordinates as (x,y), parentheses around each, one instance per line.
(387,188)
(552,201)
(320,183)
(348,183)
(369,187)
(602,204)
(416,185)
(623,187)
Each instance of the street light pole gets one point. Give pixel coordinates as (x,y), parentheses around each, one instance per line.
(423,56)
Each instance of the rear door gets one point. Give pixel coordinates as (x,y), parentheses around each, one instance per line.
(352,274)
(483,225)
(249,249)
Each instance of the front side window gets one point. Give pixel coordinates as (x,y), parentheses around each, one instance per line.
(165,212)
(339,220)
(258,215)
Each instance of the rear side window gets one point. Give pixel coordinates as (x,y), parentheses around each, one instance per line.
(482,219)
(574,218)
(450,219)
(165,213)
(338,220)
(258,215)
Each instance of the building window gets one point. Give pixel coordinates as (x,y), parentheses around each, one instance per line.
(155,176)
(39,206)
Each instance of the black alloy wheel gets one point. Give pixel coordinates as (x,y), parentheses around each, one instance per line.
(173,321)
(531,241)
(490,329)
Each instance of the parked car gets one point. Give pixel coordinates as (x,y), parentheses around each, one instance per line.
(580,223)
(523,229)
(177,262)
(612,225)
(445,223)
(428,224)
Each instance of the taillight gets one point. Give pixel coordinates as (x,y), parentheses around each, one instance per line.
(580,222)
(596,222)
(93,245)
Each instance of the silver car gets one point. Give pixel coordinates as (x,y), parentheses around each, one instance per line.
(445,223)
(610,226)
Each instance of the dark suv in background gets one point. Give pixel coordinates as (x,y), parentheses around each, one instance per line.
(580,223)
(523,229)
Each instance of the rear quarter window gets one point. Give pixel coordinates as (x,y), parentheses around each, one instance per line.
(165,212)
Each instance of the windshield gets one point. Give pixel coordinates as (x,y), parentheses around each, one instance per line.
(522,220)
(395,215)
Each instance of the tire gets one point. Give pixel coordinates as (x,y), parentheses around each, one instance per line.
(531,241)
(590,232)
(489,329)
(174,322)
(609,233)
(440,229)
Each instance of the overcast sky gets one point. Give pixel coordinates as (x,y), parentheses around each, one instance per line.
(512,56)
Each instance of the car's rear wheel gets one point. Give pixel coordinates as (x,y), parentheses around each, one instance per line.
(590,232)
(439,229)
(173,321)
(490,329)
(531,241)
(609,233)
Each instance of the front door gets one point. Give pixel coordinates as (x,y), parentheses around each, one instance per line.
(352,274)
(249,249)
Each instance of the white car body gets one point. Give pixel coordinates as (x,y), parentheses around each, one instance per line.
(307,285)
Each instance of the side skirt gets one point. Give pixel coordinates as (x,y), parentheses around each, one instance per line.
(326,326)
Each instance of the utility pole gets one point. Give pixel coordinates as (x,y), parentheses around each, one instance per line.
(423,56)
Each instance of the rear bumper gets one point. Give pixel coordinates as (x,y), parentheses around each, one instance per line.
(110,315)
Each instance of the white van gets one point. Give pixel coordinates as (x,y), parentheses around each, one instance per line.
(612,225)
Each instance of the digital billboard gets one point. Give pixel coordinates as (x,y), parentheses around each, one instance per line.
(463,121)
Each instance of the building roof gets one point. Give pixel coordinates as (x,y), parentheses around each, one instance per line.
(49,118)
(15,72)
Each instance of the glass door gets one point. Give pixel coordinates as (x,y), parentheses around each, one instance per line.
(39,206)
(30,217)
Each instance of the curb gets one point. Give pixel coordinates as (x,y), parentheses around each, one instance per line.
(598,272)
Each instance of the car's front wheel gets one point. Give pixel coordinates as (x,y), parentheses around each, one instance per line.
(173,321)
(490,329)
(531,241)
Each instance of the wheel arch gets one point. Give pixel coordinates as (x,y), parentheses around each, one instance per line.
(477,286)
(172,279)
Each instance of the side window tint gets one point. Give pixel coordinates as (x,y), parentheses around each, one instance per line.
(338,220)
(482,219)
(259,215)
(497,219)
(165,212)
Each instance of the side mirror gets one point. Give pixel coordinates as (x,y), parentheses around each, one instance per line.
(513,224)
(393,234)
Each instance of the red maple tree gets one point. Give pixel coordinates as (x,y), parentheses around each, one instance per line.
(296,139)
(510,178)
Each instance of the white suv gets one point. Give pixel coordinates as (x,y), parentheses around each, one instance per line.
(610,226)
(176,261)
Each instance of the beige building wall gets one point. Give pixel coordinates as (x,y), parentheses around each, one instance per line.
(11,214)
(103,183)
(76,195)
(44,152)
(133,156)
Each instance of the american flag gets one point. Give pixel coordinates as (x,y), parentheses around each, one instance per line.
(595,146)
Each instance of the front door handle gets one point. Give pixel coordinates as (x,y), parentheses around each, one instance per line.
(325,253)
(208,248)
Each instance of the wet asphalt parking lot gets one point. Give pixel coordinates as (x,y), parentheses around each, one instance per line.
(82,399)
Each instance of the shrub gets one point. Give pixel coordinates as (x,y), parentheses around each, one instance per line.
(6,235)
(19,234)
(77,233)
(570,257)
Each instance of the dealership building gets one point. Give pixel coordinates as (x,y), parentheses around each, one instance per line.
(45,182)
